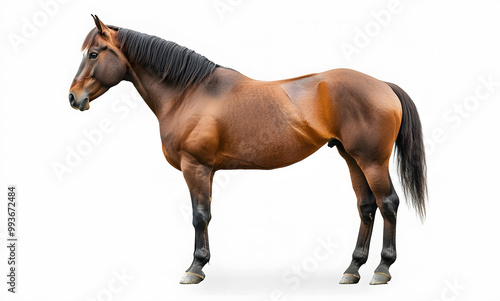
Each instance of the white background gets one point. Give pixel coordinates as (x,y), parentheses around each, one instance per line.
(123,208)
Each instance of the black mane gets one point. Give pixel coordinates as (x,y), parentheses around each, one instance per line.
(173,64)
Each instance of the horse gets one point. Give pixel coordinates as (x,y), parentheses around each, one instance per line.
(214,118)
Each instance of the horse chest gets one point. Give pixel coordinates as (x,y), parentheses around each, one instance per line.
(170,145)
(171,157)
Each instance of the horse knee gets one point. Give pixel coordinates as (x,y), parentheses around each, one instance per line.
(201,217)
(367,209)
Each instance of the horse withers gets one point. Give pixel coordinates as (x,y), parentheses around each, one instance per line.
(214,118)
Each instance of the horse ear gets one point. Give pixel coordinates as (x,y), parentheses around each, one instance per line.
(101,27)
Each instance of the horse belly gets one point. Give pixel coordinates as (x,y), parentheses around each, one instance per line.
(266,134)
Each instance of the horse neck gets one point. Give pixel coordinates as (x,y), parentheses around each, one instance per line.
(164,100)
(158,96)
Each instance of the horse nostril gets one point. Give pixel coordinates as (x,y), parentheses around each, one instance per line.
(83,104)
(72,100)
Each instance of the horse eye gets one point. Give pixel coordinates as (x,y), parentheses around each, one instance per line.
(93,55)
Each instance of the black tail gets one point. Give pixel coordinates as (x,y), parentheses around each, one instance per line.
(411,153)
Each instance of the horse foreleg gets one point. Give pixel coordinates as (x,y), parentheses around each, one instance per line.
(198,178)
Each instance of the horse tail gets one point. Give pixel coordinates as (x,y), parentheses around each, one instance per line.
(412,167)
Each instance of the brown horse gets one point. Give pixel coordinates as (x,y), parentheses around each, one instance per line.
(214,118)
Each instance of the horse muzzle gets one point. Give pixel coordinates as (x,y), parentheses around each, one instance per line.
(82,104)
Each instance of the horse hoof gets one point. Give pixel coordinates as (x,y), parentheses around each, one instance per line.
(192,278)
(380,278)
(349,279)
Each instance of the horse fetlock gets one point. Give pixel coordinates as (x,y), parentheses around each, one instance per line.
(359,257)
(202,256)
(388,256)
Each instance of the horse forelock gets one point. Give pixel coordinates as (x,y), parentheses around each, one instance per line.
(92,35)
(89,39)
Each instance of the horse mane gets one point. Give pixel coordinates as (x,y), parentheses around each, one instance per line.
(172,63)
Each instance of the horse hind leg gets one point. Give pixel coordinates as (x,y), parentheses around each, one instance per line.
(378,178)
(367,207)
